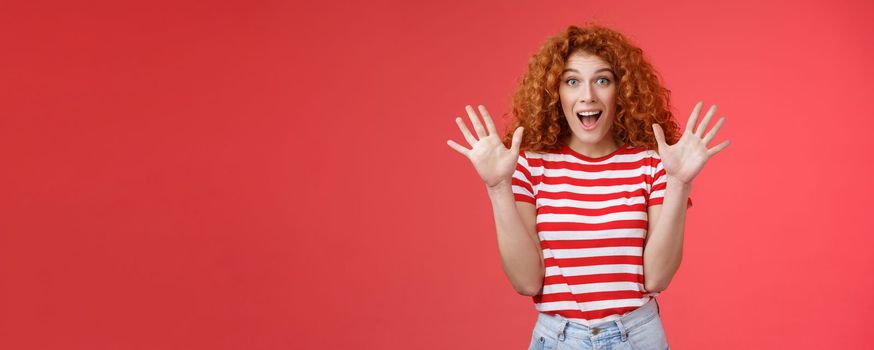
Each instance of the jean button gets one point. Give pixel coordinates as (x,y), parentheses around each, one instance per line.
(595,331)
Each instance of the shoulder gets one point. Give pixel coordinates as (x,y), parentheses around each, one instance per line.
(538,154)
(647,161)
(536,158)
(642,153)
(645,151)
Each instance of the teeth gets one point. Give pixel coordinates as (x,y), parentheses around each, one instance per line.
(589,113)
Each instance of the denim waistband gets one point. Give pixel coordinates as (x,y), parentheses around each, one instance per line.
(561,326)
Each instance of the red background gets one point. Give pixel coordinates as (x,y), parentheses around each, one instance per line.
(268,174)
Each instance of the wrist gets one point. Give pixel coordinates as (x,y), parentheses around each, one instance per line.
(673,182)
(502,186)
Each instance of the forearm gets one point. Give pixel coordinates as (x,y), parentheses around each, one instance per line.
(521,255)
(664,247)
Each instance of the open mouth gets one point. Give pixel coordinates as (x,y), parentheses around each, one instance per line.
(588,119)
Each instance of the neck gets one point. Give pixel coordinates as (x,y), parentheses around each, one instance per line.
(606,146)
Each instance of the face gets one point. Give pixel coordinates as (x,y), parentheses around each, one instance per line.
(588,84)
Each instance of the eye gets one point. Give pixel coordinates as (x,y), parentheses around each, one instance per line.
(570,80)
(606,81)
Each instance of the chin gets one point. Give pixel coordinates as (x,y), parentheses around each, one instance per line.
(588,137)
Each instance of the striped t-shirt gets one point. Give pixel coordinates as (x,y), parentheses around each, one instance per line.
(591,221)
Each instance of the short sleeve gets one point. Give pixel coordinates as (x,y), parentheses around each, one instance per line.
(659,184)
(522,182)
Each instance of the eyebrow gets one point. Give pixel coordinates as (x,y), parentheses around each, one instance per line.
(597,71)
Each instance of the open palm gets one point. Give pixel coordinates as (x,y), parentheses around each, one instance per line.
(685,159)
(493,162)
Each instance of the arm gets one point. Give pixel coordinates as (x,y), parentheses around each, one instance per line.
(663,247)
(518,244)
(519,247)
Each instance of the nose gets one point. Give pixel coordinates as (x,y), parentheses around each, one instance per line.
(587,95)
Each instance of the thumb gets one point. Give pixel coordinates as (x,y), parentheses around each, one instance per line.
(517,140)
(659,135)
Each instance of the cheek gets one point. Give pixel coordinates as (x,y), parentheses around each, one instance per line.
(564,97)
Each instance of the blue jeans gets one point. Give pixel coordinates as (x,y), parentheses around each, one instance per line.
(640,329)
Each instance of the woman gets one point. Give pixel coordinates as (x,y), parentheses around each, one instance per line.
(590,205)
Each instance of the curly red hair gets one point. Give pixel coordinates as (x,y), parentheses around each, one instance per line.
(641,99)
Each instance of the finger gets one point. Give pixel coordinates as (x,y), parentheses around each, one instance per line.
(659,134)
(490,126)
(467,136)
(517,140)
(712,133)
(703,125)
(713,151)
(693,118)
(474,120)
(458,147)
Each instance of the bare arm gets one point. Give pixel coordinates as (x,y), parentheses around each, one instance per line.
(682,162)
(663,250)
(518,244)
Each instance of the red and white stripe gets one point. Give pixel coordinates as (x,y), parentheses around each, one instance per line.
(591,220)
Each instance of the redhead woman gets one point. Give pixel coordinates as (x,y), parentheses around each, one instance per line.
(589,189)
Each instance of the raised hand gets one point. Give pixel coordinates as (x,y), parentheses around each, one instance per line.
(493,162)
(685,159)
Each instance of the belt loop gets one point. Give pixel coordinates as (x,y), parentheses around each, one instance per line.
(623,333)
(658,308)
(561,329)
